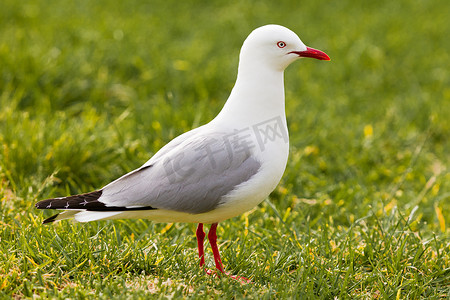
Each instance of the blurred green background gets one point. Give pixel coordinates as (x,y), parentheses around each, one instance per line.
(90,90)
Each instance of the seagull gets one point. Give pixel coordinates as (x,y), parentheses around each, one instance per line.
(216,171)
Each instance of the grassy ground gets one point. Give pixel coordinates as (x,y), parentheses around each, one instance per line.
(91,89)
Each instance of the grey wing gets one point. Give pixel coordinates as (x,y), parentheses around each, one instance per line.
(191,177)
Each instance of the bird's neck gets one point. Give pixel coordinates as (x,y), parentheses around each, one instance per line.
(257,96)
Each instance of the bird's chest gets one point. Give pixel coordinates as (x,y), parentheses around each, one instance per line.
(264,138)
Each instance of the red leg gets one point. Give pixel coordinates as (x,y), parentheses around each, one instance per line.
(200,239)
(213,241)
(212,236)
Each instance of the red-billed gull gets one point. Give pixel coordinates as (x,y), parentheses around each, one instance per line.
(216,171)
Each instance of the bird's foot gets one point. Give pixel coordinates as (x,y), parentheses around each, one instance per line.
(242,280)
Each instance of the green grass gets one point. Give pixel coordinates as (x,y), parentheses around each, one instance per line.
(90,90)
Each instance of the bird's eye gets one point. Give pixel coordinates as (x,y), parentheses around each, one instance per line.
(281,44)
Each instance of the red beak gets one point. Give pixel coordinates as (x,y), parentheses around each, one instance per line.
(311,52)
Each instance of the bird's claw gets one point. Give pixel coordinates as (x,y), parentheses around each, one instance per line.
(242,280)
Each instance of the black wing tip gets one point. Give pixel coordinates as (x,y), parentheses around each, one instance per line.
(86,202)
(50,220)
(44,204)
(39,205)
(67,202)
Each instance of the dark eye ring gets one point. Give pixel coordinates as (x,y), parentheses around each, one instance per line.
(281,44)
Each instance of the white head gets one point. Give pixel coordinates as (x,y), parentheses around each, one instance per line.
(276,47)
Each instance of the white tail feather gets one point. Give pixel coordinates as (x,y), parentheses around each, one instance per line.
(87,216)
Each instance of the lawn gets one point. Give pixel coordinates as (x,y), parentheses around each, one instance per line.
(89,90)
